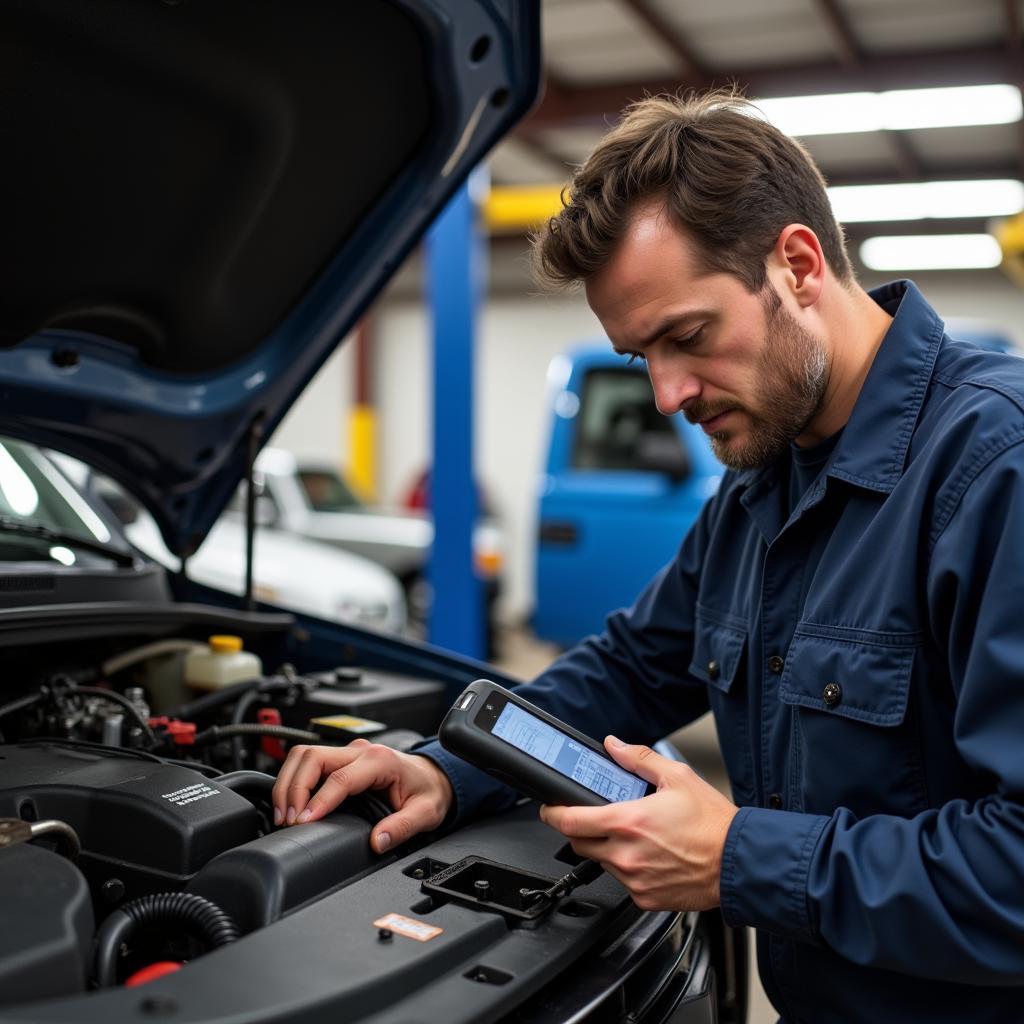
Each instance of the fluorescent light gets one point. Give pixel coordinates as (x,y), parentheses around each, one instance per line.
(918,200)
(824,115)
(930,252)
(951,108)
(898,109)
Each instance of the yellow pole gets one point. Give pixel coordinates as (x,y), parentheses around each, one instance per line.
(362,420)
(362,435)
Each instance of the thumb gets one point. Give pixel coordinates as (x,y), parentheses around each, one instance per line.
(414,817)
(638,759)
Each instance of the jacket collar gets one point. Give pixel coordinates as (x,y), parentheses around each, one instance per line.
(873,449)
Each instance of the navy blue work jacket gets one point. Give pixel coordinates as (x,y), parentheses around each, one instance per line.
(864,660)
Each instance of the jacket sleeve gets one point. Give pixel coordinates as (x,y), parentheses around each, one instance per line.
(940,895)
(631,680)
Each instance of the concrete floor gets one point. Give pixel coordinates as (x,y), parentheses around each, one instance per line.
(521,655)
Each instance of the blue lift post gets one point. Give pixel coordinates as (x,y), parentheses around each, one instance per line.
(455,271)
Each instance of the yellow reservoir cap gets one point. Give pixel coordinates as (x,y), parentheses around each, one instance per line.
(224,644)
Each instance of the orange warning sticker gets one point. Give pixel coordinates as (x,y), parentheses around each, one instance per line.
(408,927)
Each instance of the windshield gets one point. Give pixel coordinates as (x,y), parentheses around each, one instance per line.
(34,493)
(327,492)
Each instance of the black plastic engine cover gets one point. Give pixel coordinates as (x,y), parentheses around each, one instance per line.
(162,820)
(46,938)
(255,884)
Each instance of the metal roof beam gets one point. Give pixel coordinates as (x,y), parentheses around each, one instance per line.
(696,74)
(1015,51)
(976,66)
(840,34)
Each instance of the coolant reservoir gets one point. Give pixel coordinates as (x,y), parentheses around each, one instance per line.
(221,662)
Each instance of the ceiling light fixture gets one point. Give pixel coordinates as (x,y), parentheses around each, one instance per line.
(930,252)
(896,110)
(929,199)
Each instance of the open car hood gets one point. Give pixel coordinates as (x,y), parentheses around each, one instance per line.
(201,198)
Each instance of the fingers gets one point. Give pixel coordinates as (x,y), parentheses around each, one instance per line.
(417,788)
(370,769)
(301,772)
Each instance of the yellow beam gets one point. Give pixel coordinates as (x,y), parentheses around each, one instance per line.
(520,207)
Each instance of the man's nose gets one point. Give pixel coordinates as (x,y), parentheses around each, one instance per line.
(672,387)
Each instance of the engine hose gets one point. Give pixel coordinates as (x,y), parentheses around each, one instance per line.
(218,698)
(21,702)
(245,702)
(196,913)
(281,732)
(211,701)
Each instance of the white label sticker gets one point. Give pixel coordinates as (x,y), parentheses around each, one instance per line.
(190,794)
(406,926)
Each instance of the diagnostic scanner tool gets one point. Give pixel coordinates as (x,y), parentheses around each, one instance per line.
(532,751)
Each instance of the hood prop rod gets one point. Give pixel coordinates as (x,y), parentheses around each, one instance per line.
(253,439)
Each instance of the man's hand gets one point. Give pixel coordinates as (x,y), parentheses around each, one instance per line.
(666,849)
(416,788)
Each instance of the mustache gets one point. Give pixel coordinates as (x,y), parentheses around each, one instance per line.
(699,411)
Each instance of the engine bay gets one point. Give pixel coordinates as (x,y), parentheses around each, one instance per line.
(141,872)
(126,785)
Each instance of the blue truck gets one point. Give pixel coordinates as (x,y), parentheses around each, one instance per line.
(620,489)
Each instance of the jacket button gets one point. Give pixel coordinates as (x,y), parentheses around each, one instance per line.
(713,670)
(775,802)
(775,664)
(832,694)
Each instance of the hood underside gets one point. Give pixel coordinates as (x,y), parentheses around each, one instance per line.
(202,196)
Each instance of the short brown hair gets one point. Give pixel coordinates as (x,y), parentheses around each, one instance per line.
(730,179)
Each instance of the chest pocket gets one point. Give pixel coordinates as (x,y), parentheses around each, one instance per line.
(718,645)
(719,649)
(854,742)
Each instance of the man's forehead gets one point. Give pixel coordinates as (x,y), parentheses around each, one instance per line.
(653,272)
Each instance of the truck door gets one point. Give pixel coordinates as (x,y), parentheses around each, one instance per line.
(623,485)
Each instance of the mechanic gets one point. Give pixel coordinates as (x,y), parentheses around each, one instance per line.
(847,605)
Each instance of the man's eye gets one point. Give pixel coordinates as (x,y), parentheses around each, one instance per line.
(691,339)
(633,357)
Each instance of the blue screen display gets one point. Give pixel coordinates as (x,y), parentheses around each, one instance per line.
(545,743)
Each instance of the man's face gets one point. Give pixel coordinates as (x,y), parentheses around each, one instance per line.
(736,363)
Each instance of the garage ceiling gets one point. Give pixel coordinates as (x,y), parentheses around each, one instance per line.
(602,54)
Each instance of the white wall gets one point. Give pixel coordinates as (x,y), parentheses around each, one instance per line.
(317,425)
(519,333)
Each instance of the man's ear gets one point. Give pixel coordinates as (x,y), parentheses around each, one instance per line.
(797,265)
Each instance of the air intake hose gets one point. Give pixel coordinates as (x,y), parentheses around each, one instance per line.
(198,915)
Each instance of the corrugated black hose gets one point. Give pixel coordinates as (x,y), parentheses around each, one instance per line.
(198,915)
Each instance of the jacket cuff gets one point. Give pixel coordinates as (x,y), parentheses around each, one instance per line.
(473,790)
(765,863)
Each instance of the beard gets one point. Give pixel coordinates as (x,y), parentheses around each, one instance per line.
(792,374)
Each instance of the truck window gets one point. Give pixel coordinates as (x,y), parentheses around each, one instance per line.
(619,426)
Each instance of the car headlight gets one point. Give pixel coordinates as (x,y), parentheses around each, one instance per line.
(362,613)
